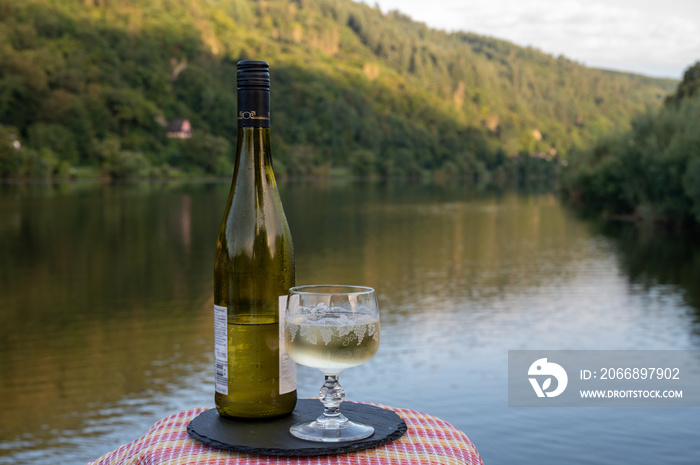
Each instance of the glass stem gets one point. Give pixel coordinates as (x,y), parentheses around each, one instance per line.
(331,395)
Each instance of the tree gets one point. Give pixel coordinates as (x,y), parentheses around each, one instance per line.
(10,155)
(688,87)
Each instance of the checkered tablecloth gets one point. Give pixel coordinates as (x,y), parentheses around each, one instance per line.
(428,440)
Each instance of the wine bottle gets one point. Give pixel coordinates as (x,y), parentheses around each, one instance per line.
(253,269)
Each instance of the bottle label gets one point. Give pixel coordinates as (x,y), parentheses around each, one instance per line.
(288,368)
(221,349)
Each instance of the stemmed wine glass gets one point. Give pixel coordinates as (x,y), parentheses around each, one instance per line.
(331,327)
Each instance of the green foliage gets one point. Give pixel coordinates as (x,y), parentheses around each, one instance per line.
(651,171)
(39,164)
(55,137)
(363,162)
(207,152)
(691,184)
(10,157)
(354,90)
(689,86)
(127,164)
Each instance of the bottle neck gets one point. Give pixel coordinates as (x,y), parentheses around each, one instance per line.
(254,108)
(253,154)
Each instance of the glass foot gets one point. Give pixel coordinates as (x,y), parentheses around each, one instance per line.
(332,426)
(331,430)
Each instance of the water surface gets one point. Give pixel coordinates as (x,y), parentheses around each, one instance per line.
(106,320)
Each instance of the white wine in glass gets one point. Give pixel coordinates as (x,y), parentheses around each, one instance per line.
(331,327)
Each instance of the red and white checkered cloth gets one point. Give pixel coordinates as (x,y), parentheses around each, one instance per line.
(428,440)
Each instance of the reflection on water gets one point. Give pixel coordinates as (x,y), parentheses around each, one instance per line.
(657,259)
(106,324)
(101,313)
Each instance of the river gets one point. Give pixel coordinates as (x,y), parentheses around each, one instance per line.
(106,320)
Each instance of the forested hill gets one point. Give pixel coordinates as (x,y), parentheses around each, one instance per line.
(650,173)
(87,88)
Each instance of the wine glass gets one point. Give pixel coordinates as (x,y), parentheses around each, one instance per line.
(331,327)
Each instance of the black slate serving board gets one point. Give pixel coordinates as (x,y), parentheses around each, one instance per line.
(272,437)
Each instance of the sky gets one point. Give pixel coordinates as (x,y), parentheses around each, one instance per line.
(658,38)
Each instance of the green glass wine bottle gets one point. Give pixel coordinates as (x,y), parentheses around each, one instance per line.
(253,269)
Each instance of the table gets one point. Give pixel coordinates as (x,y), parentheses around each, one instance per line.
(429,440)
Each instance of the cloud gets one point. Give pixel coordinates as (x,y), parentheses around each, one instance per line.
(638,35)
(591,32)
